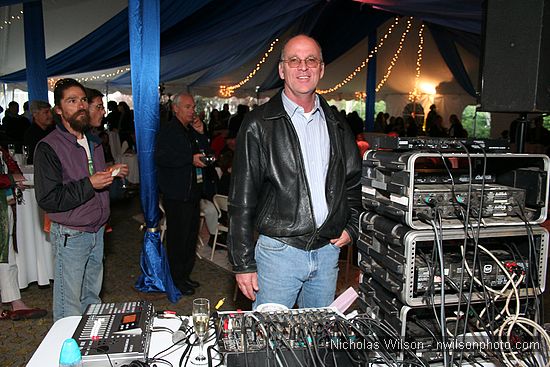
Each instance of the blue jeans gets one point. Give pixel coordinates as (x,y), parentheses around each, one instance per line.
(78,270)
(287,274)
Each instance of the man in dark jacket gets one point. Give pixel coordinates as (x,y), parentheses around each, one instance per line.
(296,181)
(42,125)
(180,179)
(71,183)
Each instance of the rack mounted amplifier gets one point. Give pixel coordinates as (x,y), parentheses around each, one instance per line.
(399,258)
(505,189)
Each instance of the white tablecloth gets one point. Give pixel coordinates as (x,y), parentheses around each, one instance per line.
(131,160)
(35,256)
(114,143)
(47,353)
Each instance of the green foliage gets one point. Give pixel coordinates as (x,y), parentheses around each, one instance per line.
(482,122)
(379,106)
(546,122)
(357,105)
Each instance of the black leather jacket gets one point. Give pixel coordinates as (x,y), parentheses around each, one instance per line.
(269,190)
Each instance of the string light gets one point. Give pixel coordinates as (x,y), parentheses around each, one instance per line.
(360,95)
(395,56)
(52,81)
(227,91)
(364,63)
(11,20)
(414,94)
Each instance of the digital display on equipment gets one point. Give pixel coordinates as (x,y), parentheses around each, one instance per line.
(126,319)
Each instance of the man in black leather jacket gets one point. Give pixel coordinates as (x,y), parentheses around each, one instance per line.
(180,179)
(296,181)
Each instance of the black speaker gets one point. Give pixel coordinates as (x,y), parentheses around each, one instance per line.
(515,63)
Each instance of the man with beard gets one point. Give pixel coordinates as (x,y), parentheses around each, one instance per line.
(71,183)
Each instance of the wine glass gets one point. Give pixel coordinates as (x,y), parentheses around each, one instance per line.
(201,316)
(11,150)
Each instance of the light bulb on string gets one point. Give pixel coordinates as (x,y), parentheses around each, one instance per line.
(52,81)
(414,94)
(227,91)
(364,63)
(12,19)
(395,56)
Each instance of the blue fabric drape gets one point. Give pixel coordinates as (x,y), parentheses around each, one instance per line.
(108,46)
(214,37)
(371,83)
(464,15)
(144,24)
(242,27)
(244,50)
(35,54)
(12,2)
(452,58)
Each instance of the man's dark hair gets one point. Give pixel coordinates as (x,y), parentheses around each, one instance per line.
(37,105)
(93,93)
(112,105)
(63,84)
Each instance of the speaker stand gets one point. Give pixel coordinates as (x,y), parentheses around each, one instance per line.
(521,132)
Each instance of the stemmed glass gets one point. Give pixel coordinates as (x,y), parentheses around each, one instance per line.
(201,316)
(11,150)
(26,153)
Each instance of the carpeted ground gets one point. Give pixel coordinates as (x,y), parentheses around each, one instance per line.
(19,339)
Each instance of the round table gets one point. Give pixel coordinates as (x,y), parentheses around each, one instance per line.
(35,257)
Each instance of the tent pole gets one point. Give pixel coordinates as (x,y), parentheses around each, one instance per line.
(144,27)
(371,83)
(35,54)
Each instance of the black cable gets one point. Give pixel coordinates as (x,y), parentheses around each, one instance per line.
(476,237)
(341,326)
(532,249)
(466,221)
(390,332)
(306,342)
(159,360)
(185,353)
(439,245)
(421,323)
(315,347)
(360,333)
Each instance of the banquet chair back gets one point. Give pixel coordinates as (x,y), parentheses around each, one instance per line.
(220,202)
(162,222)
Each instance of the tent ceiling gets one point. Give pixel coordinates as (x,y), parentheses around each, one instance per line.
(340,26)
(65,22)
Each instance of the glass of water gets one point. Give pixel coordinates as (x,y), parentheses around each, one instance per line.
(201,316)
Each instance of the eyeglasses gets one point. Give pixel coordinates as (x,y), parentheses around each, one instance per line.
(295,62)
